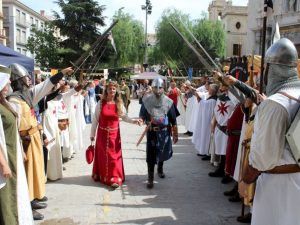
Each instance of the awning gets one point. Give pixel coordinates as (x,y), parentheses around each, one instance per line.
(8,56)
(147,76)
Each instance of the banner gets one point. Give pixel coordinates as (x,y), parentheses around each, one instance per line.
(190,73)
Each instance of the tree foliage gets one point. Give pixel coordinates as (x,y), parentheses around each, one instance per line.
(78,22)
(170,46)
(128,36)
(45,46)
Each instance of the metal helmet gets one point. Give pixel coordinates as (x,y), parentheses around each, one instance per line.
(283,52)
(158,83)
(17,71)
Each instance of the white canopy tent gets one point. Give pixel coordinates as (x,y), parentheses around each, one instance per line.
(147,76)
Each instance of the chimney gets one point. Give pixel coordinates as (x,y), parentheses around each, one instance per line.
(42,12)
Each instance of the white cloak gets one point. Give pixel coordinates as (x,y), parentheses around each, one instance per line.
(181,108)
(222,112)
(50,124)
(277,196)
(201,136)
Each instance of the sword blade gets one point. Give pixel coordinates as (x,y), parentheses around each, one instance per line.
(202,48)
(202,60)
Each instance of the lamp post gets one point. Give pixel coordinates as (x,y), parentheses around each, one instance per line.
(148,10)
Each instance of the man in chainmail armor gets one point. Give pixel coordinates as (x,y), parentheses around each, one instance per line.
(159,113)
(270,160)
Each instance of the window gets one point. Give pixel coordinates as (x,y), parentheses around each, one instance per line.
(19,50)
(23,37)
(23,18)
(18,15)
(36,23)
(18,35)
(237,49)
(31,21)
(24,51)
(42,26)
(5,13)
(238,25)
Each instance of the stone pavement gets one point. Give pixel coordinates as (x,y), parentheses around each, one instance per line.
(186,196)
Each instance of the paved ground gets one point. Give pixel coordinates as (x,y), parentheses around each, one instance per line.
(186,196)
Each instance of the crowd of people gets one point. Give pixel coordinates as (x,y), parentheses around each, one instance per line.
(243,133)
(240,131)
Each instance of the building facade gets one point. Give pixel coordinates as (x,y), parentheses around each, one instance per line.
(286,13)
(234,20)
(18,21)
(2,31)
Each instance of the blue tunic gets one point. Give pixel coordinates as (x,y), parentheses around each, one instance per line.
(159,143)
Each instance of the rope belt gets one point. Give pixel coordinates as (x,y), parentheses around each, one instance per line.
(108,128)
(31,131)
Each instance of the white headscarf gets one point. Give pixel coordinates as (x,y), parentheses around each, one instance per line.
(4,76)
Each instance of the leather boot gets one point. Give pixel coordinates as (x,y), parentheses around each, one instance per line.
(38,205)
(160,170)
(233,191)
(219,172)
(37,216)
(150,180)
(150,175)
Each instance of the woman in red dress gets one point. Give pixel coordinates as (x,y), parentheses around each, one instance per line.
(108,162)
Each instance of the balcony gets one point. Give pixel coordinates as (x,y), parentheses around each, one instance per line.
(22,23)
(21,41)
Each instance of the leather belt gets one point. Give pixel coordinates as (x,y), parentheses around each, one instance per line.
(156,129)
(31,131)
(222,128)
(233,132)
(283,169)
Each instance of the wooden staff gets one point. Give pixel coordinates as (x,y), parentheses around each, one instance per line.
(143,135)
(263,46)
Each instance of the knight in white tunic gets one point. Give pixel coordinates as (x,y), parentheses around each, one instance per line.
(222,112)
(201,136)
(270,159)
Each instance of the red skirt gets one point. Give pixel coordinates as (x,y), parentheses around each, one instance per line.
(108,162)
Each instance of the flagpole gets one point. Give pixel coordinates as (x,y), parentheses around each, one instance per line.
(263,46)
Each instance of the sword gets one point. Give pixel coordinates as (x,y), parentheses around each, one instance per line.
(202,60)
(143,135)
(202,48)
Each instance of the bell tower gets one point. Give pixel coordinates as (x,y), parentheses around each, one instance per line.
(215,9)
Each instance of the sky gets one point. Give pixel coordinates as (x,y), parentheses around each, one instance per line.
(133,7)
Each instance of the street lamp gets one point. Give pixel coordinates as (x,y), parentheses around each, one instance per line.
(148,10)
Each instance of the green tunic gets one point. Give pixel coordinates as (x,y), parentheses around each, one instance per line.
(8,194)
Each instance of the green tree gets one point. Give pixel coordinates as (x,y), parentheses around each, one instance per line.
(170,46)
(128,36)
(78,22)
(45,46)
(211,36)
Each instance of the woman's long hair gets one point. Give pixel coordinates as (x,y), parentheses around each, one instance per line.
(117,98)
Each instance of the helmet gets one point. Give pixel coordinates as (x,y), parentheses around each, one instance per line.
(158,83)
(17,71)
(282,52)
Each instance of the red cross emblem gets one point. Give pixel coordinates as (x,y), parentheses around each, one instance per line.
(237,74)
(63,106)
(32,112)
(54,111)
(222,108)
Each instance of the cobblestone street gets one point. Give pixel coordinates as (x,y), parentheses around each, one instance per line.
(186,196)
